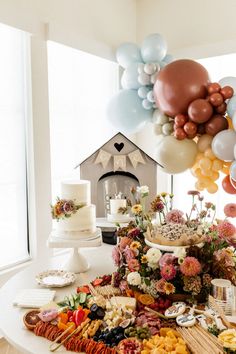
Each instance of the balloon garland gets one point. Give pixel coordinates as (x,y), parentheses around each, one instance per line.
(195,118)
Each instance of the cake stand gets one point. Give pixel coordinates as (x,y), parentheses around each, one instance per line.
(76,262)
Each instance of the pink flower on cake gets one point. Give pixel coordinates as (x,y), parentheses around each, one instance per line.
(190,266)
(226,230)
(175,216)
(133,265)
(168,272)
(167,258)
(230,210)
(124,242)
(68,207)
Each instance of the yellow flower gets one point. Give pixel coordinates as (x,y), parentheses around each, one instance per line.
(144,259)
(136,209)
(229,252)
(163,194)
(169,288)
(135,245)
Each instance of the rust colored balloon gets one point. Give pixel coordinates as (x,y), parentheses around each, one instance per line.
(180,120)
(216,99)
(190,128)
(178,84)
(227,186)
(216,124)
(227,92)
(221,108)
(200,111)
(180,134)
(213,88)
(201,129)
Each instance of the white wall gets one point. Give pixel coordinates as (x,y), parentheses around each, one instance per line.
(192,28)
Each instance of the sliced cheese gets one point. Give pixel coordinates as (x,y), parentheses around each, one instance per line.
(123,301)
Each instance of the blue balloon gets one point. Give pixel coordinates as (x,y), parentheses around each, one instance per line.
(129,78)
(231,106)
(154,48)
(126,113)
(128,53)
(168,58)
(232,171)
(228,81)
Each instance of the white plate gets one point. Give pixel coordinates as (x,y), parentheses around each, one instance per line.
(55,278)
(169,248)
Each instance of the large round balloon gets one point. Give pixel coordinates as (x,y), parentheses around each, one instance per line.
(126,113)
(223,145)
(227,185)
(176,155)
(128,53)
(153,48)
(178,84)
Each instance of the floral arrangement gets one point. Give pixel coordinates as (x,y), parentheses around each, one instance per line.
(186,271)
(63,208)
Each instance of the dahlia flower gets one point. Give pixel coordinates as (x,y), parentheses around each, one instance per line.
(129,254)
(190,266)
(133,265)
(168,272)
(226,229)
(175,216)
(230,210)
(153,256)
(160,285)
(167,258)
(134,278)
(124,242)
(116,256)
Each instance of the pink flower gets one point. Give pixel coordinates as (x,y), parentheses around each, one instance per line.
(134,233)
(226,229)
(116,256)
(167,258)
(124,242)
(190,266)
(160,285)
(168,272)
(175,216)
(123,286)
(193,193)
(230,210)
(129,254)
(133,265)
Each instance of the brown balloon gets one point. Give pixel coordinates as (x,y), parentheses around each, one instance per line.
(227,92)
(201,129)
(221,108)
(227,185)
(178,84)
(216,124)
(190,128)
(180,120)
(180,134)
(213,88)
(216,99)
(200,111)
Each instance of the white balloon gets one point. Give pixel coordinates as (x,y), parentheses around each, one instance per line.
(146,104)
(143,91)
(223,145)
(157,128)
(150,96)
(159,117)
(153,78)
(168,128)
(228,81)
(140,68)
(144,79)
(150,68)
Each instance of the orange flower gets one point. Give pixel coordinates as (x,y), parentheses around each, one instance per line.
(169,288)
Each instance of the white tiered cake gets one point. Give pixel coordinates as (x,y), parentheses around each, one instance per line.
(82,222)
(115,204)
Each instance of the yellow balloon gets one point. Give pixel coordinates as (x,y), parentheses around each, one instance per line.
(198,173)
(209,153)
(225,170)
(199,186)
(204,142)
(207,173)
(217,165)
(200,155)
(212,188)
(205,164)
(205,181)
(215,175)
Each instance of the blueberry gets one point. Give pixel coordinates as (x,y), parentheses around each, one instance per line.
(94,308)
(100,312)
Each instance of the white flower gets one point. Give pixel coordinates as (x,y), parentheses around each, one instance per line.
(179,252)
(143,191)
(153,255)
(134,278)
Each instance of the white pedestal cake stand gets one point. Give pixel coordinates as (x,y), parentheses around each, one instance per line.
(76,262)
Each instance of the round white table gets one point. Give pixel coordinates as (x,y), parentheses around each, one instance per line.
(11,317)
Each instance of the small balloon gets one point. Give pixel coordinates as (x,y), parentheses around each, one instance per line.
(157,128)
(204,142)
(216,124)
(228,81)
(221,108)
(227,186)
(209,153)
(146,104)
(213,88)
(128,53)
(180,120)
(217,165)
(143,91)
(200,111)
(167,128)
(227,92)
(180,134)
(150,96)
(205,163)
(153,78)
(144,79)
(190,128)
(141,68)
(216,99)
(212,188)
(159,117)
(149,68)
(153,48)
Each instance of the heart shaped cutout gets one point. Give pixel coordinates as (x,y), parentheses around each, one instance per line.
(119,146)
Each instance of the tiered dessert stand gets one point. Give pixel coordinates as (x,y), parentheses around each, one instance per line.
(76,262)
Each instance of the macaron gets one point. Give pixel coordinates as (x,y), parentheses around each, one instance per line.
(175,310)
(186,320)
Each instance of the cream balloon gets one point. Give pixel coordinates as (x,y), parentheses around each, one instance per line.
(204,142)
(176,156)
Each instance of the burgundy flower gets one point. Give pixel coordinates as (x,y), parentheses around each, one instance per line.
(134,233)
(193,193)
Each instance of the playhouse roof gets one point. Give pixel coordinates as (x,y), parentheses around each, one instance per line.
(109,141)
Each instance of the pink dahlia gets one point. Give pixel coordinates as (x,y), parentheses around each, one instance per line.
(175,216)
(124,242)
(133,265)
(123,286)
(230,210)
(168,272)
(190,266)
(167,258)
(116,256)
(129,254)
(226,229)
(160,285)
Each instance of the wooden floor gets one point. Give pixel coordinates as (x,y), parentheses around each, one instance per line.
(6,348)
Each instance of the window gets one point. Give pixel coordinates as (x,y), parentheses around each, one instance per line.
(217,67)
(13,177)
(80,86)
